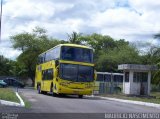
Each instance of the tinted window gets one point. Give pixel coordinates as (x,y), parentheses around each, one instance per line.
(100,77)
(41,58)
(76,73)
(85,74)
(47,74)
(107,77)
(77,54)
(7,81)
(118,78)
(50,55)
(69,71)
(53,54)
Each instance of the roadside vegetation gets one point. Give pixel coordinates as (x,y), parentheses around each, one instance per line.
(8,95)
(153,98)
(109,52)
(26,102)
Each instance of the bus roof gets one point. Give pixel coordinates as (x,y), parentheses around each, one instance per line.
(75,45)
(71,45)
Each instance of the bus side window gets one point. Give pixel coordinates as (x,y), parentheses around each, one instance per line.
(50,74)
(43,75)
(47,74)
(44,58)
(107,77)
(100,77)
(39,60)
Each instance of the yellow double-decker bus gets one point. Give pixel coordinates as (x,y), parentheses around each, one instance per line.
(66,69)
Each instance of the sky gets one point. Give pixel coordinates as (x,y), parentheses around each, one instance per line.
(132,20)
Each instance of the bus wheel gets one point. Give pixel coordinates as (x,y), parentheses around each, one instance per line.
(80,96)
(39,89)
(54,94)
(62,95)
(41,92)
(51,88)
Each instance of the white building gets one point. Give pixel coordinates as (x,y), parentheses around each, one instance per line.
(137,78)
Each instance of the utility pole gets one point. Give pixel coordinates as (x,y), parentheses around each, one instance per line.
(1,22)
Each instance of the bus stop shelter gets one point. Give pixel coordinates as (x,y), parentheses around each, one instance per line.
(137,78)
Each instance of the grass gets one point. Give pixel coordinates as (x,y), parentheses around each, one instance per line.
(8,95)
(153,98)
(26,102)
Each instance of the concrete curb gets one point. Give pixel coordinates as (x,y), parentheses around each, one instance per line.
(131,102)
(9,103)
(21,101)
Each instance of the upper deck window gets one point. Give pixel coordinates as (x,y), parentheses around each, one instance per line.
(77,54)
(52,54)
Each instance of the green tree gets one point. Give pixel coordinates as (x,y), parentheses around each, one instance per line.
(31,45)
(9,67)
(110,52)
(74,38)
(156,57)
(17,70)
(5,66)
(98,41)
(108,61)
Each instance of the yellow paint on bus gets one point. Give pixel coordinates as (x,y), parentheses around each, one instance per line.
(66,75)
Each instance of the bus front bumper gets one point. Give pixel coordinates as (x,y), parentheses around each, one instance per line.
(73,91)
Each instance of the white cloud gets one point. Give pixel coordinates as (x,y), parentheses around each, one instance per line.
(126,23)
(133,20)
(145,5)
(22,15)
(10,53)
(33,8)
(119,17)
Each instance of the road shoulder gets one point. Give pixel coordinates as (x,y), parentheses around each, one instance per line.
(131,102)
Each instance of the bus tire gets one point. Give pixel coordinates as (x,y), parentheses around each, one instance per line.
(62,95)
(43,92)
(80,96)
(51,88)
(54,94)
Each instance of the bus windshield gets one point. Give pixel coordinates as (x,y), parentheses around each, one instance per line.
(77,54)
(76,73)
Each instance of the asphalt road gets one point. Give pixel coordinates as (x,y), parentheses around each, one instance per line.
(72,104)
